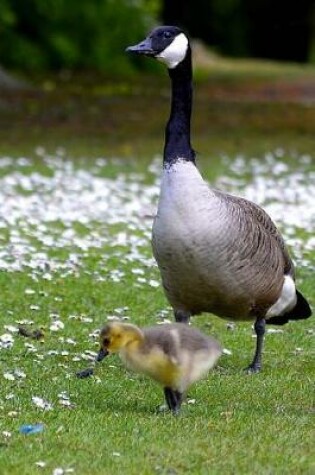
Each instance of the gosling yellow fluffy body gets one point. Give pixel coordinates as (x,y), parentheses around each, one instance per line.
(174,355)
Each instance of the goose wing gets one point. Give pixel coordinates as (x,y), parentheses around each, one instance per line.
(254,222)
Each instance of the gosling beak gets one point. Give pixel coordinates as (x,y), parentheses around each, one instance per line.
(144,48)
(101,355)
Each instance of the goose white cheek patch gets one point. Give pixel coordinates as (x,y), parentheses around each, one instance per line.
(175,52)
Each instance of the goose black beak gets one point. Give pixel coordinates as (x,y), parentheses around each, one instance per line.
(101,355)
(144,48)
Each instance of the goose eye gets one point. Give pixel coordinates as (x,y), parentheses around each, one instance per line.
(167,34)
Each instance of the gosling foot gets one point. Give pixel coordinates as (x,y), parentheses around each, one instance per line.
(173,399)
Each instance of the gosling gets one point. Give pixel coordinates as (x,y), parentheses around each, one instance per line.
(174,355)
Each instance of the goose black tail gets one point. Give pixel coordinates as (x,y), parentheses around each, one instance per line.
(301,311)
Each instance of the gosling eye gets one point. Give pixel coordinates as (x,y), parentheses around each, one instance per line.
(106,342)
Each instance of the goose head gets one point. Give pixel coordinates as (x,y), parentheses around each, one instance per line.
(168,44)
(116,336)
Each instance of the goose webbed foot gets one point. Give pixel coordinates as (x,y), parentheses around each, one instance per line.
(253,368)
(255,365)
(173,399)
(181,316)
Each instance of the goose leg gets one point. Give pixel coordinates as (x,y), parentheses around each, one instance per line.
(259,326)
(173,399)
(181,316)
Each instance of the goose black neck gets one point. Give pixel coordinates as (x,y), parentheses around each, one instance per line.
(177,132)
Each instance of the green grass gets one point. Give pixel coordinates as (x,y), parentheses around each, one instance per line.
(240,106)
(239,424)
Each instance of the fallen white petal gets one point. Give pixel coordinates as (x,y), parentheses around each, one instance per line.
(225,351)
(58,471)
(274,330)
(57,325)
(9,376)
(41,403)
(191,401)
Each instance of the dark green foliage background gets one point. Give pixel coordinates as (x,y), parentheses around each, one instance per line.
(37,35)
(51,34)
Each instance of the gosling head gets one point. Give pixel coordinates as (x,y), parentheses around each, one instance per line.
(168,44)
(116,336)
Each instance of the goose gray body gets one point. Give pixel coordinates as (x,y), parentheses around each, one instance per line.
(216,252)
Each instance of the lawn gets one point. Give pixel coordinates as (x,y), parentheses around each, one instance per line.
(79,182)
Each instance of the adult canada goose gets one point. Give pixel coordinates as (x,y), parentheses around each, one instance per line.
(216,252)
(174,355)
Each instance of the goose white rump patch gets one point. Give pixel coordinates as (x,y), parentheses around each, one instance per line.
(286,301)
(175,52)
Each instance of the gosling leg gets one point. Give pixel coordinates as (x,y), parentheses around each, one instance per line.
(259,327)
(173,399)
(181,316)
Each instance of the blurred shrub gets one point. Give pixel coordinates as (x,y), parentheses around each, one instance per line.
(55,34)
(276,29)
